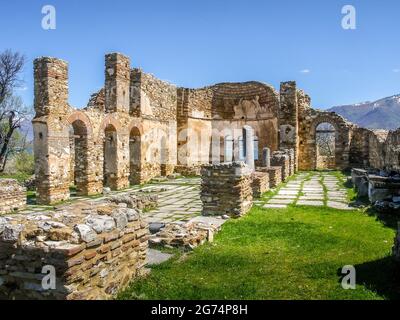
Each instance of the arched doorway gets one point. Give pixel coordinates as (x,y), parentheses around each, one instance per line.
(110,157)
(325,138)
(134,156)
(78,134)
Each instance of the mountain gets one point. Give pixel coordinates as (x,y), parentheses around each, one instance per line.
(381,114)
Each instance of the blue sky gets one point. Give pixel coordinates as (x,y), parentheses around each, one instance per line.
(194,43)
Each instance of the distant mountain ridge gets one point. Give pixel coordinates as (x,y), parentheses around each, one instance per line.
(380,114)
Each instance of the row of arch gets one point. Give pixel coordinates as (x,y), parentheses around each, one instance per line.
(85,158)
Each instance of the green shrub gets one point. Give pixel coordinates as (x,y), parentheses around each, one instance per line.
(24,163)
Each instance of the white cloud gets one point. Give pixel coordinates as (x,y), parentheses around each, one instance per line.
(22,88)
(305,71)
(396,70)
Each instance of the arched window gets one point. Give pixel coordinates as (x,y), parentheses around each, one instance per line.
(255,148)
(242,155)
(228,150)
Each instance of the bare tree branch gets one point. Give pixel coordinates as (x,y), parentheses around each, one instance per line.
(11,64)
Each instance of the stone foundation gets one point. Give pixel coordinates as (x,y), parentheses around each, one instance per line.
(12,196)
(260,183)
(95,251)
(275,175)
(359,178)
(183,235)
(226,189)
(188,170)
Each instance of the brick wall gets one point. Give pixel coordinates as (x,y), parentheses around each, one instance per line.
(94,250)
(12,196)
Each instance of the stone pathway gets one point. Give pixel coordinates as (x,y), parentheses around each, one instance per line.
(310,189)
(178,200)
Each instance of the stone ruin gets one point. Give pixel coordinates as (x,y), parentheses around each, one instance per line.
(12,196)
(95,248)
(243,138)
(138,127)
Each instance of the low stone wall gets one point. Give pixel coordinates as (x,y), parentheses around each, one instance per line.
(188,171)
(12,196)
(94,249)
(260,183)
(275,175)
(226,189)
(359,178)
(281,159)
(137,200)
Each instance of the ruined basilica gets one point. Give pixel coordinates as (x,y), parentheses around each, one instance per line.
(138,127)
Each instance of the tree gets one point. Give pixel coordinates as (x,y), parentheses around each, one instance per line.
(12,110)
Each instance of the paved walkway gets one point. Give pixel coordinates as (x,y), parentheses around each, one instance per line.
(179,199)
(310,189)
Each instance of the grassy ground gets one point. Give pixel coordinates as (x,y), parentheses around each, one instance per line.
(294,253)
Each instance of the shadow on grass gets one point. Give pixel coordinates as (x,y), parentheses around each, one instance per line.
(381,276)
(388,220)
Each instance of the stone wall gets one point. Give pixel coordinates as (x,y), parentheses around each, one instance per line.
(275,175)
(12,196)
(288,118)
(325,162)
(226,189)
(260,183)
(95,251)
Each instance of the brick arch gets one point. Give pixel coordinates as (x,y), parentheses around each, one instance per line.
(335,120)
(110,120)
(136,123)
(342,142)
(80,116)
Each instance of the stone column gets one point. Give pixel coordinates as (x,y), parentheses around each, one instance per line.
(248,140)
(266,160)
(117,82)
(51,136)
(288,118)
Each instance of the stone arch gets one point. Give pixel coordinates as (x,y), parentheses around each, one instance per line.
(136,123)
(110,164)
(342,138)
(110,120)
(80,116)
(79,156)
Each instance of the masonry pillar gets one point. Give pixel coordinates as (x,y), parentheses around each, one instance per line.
(51,135)
(288,119)
(117,82)
(117,99)
(248,139)
(266,158)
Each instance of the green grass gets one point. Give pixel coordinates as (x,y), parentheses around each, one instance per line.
(20,177)
(295,253)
